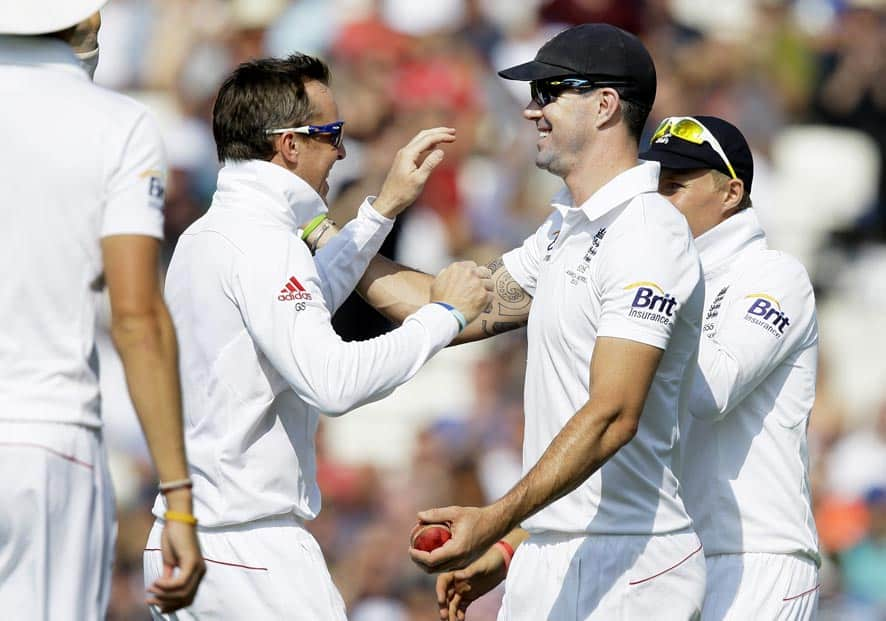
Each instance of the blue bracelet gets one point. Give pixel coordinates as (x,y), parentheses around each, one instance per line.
(462,322)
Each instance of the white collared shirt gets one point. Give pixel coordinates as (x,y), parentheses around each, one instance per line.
(259,358)
(621,265)
(745,463)
(77,163)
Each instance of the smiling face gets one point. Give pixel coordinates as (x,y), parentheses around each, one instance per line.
(704,196)
(566,127)
(317,154)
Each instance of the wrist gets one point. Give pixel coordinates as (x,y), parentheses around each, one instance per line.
(385,207)
(180,500)
(459,317)
(506,550)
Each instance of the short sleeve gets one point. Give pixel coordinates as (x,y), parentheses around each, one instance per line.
(523,263)
(137,183)
(646,278)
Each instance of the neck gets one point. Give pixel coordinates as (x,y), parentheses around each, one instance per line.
(603,163)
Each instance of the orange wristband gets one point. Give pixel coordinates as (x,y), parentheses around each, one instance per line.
(178,516)
(507,551)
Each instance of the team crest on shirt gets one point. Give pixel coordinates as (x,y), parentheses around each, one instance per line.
(578,274)
(294,291)
(550,247)
(765,311)
(710,319)
(652,303)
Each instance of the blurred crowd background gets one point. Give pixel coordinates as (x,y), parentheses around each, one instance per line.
(804,79)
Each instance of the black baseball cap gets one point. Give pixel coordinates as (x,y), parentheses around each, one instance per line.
(599,51)
(680,154)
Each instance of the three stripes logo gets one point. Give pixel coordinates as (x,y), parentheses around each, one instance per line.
(293,290)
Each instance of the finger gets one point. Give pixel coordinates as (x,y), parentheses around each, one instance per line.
(436,516)
(483,272)
(424,142)
(431,162)
(454,606)
(443,583)
(427,140)
(488,285)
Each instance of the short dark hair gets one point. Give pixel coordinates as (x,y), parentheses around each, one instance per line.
(634,116)
(263,94)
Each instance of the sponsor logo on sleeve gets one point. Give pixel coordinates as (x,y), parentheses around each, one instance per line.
(293,291)
(156,187)
(765,311)
(652,303)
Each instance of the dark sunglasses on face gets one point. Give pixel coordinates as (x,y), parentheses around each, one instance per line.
(545,91)
(333,130)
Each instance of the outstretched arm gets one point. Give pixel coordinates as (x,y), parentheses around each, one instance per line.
(397,291)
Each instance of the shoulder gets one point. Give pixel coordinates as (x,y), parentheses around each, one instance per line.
(775,269)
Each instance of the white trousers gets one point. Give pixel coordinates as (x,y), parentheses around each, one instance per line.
(576,578)
(269,569)
(761,586)
(57,527)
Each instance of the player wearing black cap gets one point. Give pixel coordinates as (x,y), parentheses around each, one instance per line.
(744,459)
(614,285)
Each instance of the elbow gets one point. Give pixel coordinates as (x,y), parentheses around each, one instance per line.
(624,427)
(136,330)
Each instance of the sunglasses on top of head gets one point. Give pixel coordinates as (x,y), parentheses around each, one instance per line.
(333,130)
(545,91)
(691,130)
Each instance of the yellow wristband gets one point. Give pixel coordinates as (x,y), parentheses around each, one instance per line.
(310,226)
(178,516)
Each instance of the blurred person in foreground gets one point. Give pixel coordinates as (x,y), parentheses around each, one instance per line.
(83,179)
(260,360)
(614,286)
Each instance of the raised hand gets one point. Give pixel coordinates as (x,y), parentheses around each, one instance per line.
(412,166)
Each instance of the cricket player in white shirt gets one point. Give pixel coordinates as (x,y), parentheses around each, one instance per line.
(614,285)
(745,465)
(82,172)
(260,361)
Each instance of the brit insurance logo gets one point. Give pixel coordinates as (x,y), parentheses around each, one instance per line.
(765,311)
(293,291)
(652,303)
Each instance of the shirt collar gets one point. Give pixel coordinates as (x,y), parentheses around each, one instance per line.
(274,190)
(39,51)
(724,241)
(640,179)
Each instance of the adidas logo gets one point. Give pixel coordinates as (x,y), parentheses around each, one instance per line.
(293,290)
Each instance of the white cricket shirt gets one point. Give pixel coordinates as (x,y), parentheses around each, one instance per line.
(621,265)
(259,358)
(77,163)
(745,463)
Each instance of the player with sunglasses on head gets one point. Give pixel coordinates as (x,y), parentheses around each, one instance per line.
(614,287)
(259,358)
(744,457)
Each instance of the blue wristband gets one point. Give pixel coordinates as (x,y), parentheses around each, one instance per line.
(462,322)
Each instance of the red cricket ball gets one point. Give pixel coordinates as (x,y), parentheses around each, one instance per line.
(427,537)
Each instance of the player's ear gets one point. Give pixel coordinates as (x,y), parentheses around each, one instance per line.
(733,192)
(607,106)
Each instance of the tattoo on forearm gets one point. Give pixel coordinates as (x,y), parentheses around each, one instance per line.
(512,301)
(498,327)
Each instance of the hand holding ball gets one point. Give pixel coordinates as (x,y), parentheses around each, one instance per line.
(427,537)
